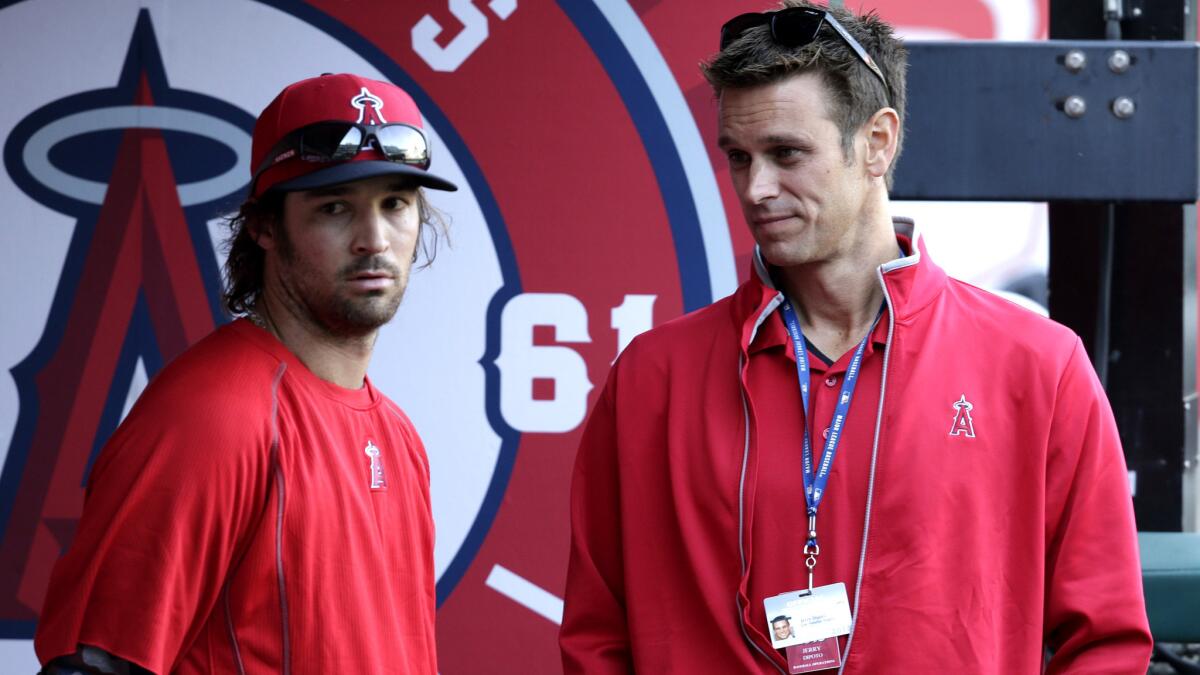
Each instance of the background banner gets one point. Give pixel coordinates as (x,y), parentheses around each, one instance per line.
(594,205)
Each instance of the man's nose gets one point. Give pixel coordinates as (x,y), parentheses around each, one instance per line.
(762,182)
(370,233)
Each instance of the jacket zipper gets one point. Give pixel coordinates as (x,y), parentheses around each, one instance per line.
(742,363)
(862,557)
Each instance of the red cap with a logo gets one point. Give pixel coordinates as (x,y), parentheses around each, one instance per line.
(333,98)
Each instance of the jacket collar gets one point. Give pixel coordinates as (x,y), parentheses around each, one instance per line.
(773,333)
(911,282)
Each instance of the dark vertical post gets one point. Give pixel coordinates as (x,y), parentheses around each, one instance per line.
(1123,277)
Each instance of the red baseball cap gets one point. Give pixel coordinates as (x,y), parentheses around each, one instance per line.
(332,98)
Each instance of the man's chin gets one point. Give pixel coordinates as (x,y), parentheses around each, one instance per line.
(780,255)
(361,317)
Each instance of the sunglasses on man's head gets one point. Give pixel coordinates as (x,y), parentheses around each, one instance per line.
(340,141)
(795,27)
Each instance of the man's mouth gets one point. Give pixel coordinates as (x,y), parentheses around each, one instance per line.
(371,280)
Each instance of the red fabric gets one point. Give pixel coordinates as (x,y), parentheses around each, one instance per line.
(175,565)
(780,523)
(981,550)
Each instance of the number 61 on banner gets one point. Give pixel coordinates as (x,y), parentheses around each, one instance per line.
(521,362)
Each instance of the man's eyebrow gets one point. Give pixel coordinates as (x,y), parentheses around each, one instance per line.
(725,141)
(784,139)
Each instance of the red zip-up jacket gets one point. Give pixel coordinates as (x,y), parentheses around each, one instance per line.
(1027,542)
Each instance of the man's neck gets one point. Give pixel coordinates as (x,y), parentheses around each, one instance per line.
(342,361)
(838,300)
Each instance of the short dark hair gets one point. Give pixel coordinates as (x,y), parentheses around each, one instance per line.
(780,618)
(244,265)
(755,59)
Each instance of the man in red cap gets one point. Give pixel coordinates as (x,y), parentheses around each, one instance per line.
(264,508)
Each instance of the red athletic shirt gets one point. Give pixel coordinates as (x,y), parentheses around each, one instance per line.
(249,517)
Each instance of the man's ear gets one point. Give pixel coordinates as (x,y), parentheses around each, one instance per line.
(883,133)
(263,232)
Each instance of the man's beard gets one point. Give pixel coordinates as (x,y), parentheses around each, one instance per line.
(352,316)
(334,313)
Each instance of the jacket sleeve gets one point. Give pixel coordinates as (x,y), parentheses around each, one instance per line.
(595,637)
(1095,615)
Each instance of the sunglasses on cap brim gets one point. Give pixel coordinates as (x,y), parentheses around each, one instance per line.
(325,142)
(795,27)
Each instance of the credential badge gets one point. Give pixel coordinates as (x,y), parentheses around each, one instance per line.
(377,480)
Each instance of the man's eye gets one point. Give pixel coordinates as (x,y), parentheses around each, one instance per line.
(395,203)
(737,158)
(785,152)
(332,208)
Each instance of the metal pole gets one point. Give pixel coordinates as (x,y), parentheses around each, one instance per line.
(1128,289)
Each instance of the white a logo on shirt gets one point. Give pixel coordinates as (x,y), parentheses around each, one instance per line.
(963,426)
(378,482)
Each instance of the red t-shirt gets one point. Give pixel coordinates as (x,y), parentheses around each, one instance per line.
(250,517)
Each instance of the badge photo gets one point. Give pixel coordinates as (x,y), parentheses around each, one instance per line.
(799,617)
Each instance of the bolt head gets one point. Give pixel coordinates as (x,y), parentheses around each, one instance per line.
(1123,107)
(1074,107)
(1075,60)
(1119,61)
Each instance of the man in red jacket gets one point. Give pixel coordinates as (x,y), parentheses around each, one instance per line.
(925,477)
(263,508)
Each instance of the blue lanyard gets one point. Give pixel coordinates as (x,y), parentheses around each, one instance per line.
(814,481)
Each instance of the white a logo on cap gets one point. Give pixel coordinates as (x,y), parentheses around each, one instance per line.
(370,107)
